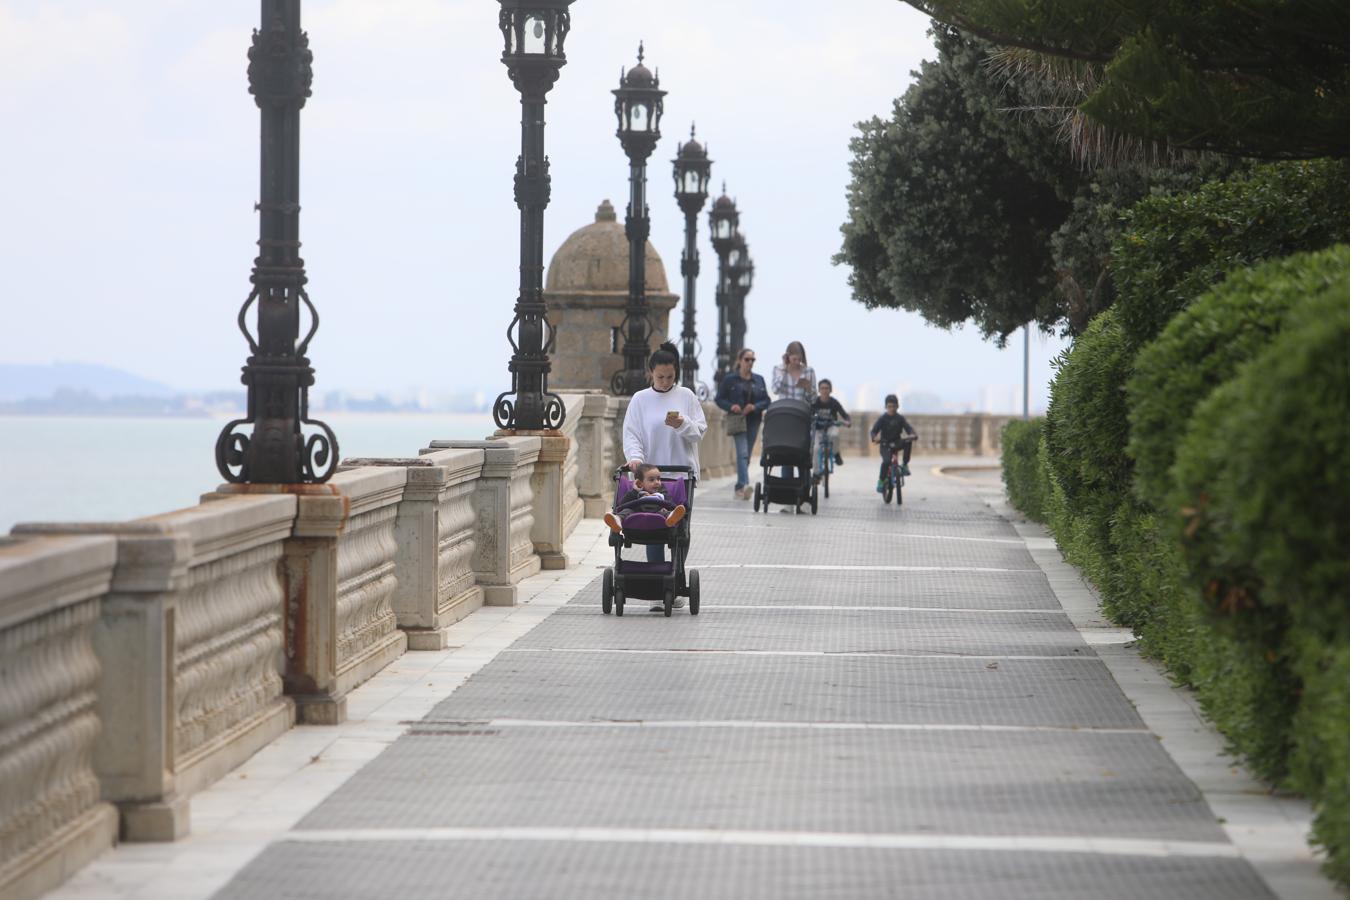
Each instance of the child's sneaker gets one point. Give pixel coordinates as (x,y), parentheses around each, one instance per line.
(674,516)
(881,486)
(838,460)
(904,470)
(613,522)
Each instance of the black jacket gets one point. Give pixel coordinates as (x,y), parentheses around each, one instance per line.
(891,427)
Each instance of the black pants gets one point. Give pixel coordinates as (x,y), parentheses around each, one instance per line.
(905,448)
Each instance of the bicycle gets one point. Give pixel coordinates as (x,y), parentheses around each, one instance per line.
(825,449)
(894,484)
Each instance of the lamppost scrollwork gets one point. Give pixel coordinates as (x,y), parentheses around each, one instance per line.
(723,220)
(278,374)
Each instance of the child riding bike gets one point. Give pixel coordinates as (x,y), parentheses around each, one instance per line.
(888,431)
(828,415)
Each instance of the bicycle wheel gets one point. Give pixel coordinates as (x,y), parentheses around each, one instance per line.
(888,491)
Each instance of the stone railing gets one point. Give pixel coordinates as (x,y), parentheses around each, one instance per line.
(51,818)
(143,660)
(966,434)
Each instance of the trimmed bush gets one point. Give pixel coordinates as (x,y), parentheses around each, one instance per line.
(1177,246)
(1022,467)
(1203,346)
(1266,537)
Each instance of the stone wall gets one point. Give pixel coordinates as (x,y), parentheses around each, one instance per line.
(141,661)
(966,434)
(51,818)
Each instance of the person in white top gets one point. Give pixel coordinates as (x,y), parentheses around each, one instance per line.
(664,424)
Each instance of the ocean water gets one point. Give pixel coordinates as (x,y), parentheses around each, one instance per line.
(78,469)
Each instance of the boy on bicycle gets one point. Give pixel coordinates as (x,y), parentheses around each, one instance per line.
(888,431)
(826,408)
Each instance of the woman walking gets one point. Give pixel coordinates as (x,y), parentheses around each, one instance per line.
(664,424)
(744,397)
(794,380)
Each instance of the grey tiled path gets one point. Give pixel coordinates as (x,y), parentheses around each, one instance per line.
(875,702)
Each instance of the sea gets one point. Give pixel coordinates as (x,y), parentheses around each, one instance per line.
(102,469)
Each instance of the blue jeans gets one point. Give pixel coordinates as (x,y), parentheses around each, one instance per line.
(656,553)
(745,442)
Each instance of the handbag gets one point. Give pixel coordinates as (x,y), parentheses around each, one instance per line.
(735,423)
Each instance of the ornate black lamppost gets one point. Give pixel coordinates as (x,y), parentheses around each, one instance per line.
(278,374)
(692,168)
(742,277)
(535,31)
(722,221)
(638,105)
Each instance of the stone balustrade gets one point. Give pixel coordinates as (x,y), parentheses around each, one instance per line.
(52,820)
(964,434)
(143,660)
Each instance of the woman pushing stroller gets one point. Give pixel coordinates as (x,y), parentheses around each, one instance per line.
(664,423)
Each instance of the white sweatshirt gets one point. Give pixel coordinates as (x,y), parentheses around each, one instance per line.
(647,437)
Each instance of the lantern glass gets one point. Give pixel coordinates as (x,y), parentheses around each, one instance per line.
(722,229)
(692,183)
(639,117)
(734,257)
(535,40)
(745,279)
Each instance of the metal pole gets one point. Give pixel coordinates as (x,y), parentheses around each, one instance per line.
(278,374)
(689,269)
(1026,371)
(637,327)
(723,351)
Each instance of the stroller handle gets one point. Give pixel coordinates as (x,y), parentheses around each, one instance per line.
(688,470)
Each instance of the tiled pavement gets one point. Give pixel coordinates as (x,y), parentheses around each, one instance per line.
(874,702)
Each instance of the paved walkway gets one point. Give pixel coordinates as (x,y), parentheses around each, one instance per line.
(876,701)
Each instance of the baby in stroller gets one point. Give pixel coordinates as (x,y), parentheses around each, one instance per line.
(647,495)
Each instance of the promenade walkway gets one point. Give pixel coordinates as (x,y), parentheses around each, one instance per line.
(914,702)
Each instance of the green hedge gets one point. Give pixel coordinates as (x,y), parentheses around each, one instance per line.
(1021,440)
(1202,347)
(1177,246)
(1264,477)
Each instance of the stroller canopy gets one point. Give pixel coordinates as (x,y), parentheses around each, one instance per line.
(787,430)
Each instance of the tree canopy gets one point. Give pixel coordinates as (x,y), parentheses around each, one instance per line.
(1253,78)
(953,201)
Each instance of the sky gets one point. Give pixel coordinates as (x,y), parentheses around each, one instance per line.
(131,163)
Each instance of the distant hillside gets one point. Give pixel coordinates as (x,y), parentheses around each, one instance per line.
(28,382)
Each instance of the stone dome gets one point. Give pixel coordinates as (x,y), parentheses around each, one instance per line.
(594,260)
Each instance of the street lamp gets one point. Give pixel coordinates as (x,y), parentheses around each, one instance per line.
(723,219)
(638,106)
(742,277)
(737,258)
(534,31)
(692,169)
(278,374)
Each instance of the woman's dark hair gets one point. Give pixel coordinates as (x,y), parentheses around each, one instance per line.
(796,347)
(665,355)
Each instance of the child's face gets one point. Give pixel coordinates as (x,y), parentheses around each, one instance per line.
(892,408)
(650,481)
(824,391)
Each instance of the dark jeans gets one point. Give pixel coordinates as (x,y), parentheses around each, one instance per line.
(905,448)
(745,444)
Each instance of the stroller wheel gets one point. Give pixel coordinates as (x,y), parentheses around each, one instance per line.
(693,592)
(758,495)
(607,591)
(669,602)
(815,499)
(618,602)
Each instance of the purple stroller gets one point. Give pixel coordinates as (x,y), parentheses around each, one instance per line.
(652,581)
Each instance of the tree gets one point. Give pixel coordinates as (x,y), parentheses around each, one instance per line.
(953,201)
(1253,78)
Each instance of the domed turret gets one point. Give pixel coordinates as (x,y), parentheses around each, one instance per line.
(585,289)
